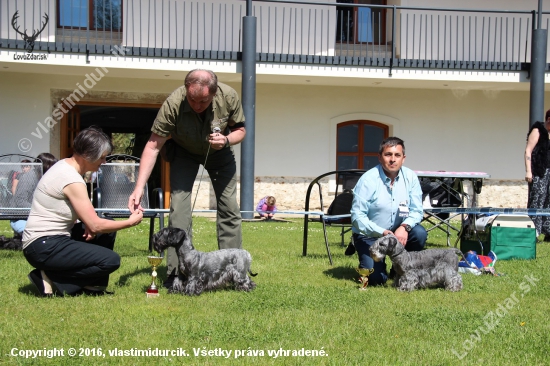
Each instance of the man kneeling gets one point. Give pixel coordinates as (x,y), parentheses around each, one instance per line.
(387,200)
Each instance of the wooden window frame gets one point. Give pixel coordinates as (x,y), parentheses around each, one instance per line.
(360,154)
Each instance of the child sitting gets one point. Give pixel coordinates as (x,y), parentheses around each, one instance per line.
(266,207)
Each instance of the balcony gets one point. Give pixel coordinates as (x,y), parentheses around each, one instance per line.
(314,32)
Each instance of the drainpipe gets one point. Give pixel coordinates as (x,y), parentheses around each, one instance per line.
(538,70)
(249,109)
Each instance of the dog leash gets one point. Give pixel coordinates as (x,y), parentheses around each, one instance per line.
(214,130)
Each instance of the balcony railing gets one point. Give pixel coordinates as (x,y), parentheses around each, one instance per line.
(287,32)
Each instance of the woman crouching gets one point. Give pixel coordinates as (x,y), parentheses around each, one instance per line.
(72,258)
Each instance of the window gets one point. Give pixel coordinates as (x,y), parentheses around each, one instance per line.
(360,24)
(96,14)
(358,143)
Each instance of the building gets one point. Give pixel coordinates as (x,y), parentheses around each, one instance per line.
(332,79)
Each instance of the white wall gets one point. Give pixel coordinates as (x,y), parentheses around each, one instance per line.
(26,103)
(295,125)
(443,130)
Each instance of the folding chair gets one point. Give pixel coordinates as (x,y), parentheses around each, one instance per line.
(338,213)
(442,193)
(116,180)
(12,165)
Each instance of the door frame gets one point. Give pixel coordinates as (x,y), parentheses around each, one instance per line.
(66,131)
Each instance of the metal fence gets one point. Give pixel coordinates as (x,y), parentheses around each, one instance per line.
(293,32)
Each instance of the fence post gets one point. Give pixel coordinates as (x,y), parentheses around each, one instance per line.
(538,71)
(249,109)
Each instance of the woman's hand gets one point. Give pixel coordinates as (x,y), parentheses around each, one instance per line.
(136,217)
(88,234)
(528,177)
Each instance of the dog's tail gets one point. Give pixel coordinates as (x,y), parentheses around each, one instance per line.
(252,274)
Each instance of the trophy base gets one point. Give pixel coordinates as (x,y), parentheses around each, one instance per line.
(152,293)
(364,283)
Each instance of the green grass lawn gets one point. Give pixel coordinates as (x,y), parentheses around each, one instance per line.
(303,311)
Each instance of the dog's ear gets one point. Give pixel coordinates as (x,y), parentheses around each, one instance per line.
(178,235)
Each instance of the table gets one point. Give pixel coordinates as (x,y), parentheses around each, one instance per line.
(432,214)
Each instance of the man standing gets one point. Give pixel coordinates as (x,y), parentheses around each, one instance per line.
(387,200)
(204,119)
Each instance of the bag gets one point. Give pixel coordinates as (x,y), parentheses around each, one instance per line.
(445,195)
(341,206)
(477,264)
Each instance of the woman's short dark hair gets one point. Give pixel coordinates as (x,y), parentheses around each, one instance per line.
(391,142)
(47,160)
(197,77)
(91,143)
(547,114)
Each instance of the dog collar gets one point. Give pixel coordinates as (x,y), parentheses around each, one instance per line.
(396,254)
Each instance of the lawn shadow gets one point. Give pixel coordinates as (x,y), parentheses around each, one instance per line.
(342,273)
(28,289)
(123,280)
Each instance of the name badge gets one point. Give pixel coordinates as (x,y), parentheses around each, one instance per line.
(403,209)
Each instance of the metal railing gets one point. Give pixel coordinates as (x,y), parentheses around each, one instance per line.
(288,31)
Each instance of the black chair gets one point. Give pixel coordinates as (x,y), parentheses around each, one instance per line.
(338,213)
(10,166)
(116,180)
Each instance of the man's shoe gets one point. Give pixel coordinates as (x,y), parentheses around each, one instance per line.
(36,279)
(350,250)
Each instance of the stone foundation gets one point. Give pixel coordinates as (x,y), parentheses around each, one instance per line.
(290,193)
(503,193)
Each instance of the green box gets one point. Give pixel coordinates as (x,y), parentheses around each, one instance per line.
(508,236)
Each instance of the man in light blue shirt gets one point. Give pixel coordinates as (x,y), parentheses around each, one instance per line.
(387,200)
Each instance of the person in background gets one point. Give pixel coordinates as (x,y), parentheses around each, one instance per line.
(22,197)
(72,257)
(17,175)
(387,199)
(266,207)
(537,175)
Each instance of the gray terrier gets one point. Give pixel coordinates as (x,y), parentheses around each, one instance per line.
(199,271)
(441,274)
(424,263)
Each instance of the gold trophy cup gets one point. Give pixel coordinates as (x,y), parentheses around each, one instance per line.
(364,279)
(153,291)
